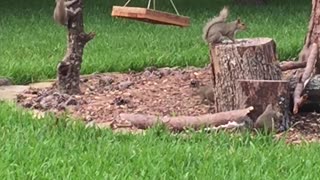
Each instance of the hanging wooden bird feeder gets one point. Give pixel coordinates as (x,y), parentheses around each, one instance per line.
(151,15)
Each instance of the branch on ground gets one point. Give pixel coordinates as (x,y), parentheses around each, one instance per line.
(179,123)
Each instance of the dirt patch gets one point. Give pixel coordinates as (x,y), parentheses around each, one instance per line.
(164,92)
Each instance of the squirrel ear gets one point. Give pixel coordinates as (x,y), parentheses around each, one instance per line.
(238,20)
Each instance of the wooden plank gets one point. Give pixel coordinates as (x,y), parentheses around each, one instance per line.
(150,16)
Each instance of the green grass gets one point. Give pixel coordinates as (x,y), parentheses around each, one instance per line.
(32,44)
(41,149)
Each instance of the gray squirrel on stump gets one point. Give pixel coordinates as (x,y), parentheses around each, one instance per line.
(245,72)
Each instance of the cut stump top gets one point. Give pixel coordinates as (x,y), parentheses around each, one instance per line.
(246,42)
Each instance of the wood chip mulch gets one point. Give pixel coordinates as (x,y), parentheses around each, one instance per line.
(164,91)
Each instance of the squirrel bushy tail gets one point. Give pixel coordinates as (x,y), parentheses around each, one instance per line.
(223,15)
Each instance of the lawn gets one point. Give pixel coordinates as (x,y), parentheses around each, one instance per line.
(41,149)
(32,44)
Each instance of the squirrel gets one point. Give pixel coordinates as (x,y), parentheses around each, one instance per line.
(62,12)
(267,119)
(217,28)
(206,92)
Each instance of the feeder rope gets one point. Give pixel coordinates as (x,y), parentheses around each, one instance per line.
(154,5)
(149,2)
(174,8)
(126,3)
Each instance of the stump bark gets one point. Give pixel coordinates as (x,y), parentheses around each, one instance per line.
(69,67)
(248,59)
(260,93)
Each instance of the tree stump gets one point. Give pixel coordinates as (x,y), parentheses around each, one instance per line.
(70,66)
(247,59)
(260,93)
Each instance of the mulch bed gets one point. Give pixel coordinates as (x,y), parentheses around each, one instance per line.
(164,92)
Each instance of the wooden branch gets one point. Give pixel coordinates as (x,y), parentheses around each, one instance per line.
(179,123)
(311,63)
(303,78)
(86,37)
(289,65)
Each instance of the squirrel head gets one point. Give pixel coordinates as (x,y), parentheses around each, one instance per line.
(240,24)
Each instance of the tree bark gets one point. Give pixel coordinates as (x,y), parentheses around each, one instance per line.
(69,68)
(254,59)
(303,78)
(180,123)
(313,31)
(309,55)
(260,93)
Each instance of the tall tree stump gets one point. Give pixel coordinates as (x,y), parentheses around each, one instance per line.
(70,66)
(247,59)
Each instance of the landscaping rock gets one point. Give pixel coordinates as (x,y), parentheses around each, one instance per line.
(106,81)
(125,85)
(5,81)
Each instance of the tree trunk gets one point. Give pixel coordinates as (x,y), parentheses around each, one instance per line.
(253,59)
(313,31)
(69,67)
(309,55)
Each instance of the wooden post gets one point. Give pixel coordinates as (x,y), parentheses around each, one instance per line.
(69,67)
(249,59)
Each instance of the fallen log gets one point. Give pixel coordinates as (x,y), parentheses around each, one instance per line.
(304,77)
(179,123)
